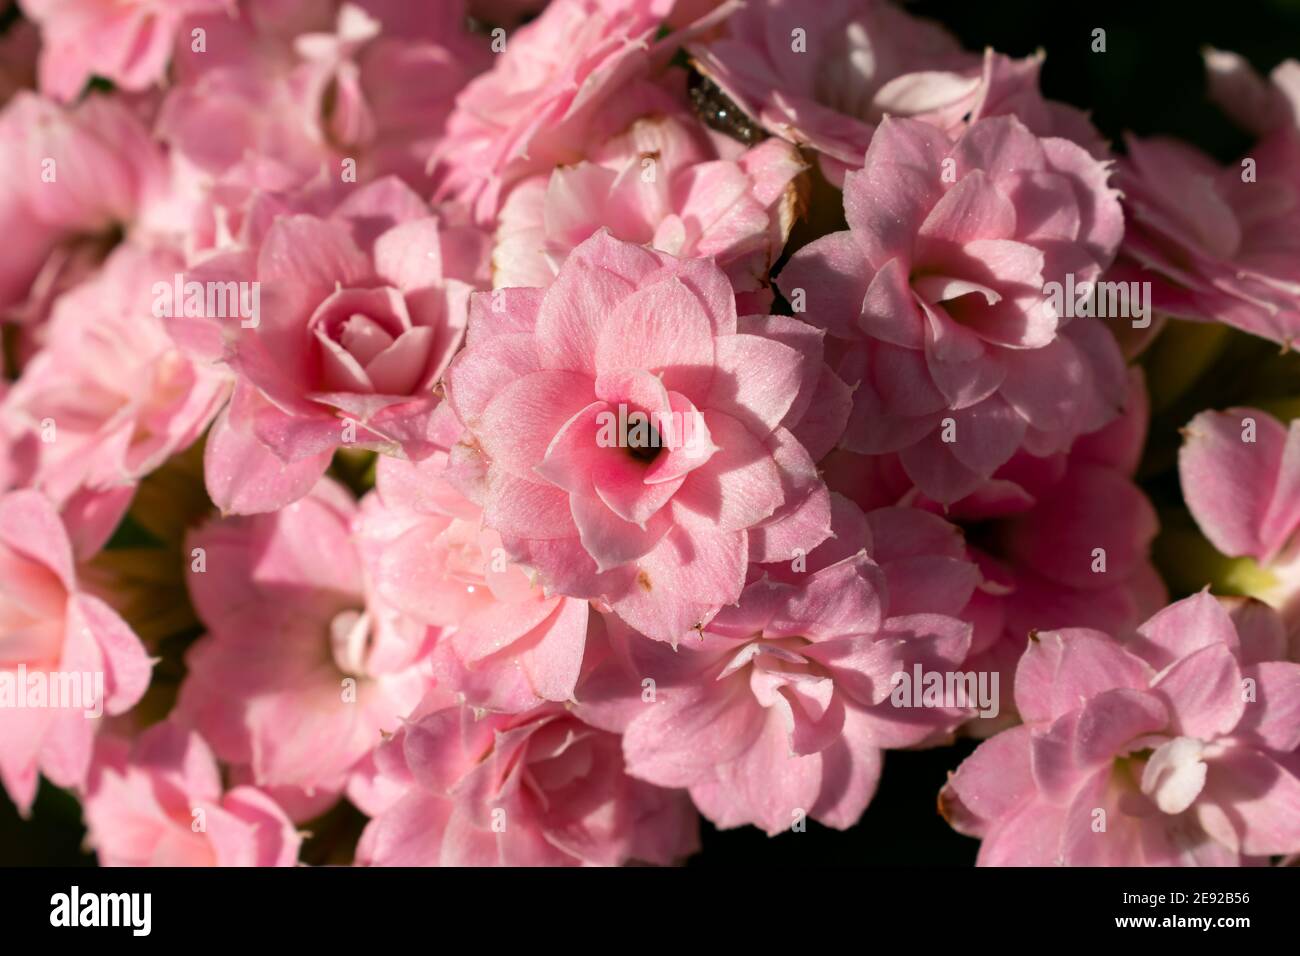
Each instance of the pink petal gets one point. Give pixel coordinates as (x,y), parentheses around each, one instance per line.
(687,732)
(739,486)
(575,315)
(1204,692)
(663,329)
(1185,627)
(990,784)
(887,201)
(1242,494)
(610,540)
(889,310)
(480,372)
(755,381)
(1252,802)
(971,209)
(243,476)
(1061,668)
(833,276)
(1272,718)
(519,424)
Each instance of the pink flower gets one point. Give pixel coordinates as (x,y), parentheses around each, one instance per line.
(53,635)
(537,789)
(665,184)
(1066,541)
(71,180)
(110,397)
(1220,249)
(159,801)
(1175,747)
(826,81)
(1223,242)
(781,708)
(384,82)
(238,133)
(940,290)
(535,108)
(292,104)
(360,314)
(128,42)
(1062,541)
(373,88)
(503,643)
(1240,473)
(302,669)
(658,520)
(246,112)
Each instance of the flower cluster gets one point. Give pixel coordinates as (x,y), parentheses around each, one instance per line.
(504,433)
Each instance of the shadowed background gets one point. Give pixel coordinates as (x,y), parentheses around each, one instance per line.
(1149,81)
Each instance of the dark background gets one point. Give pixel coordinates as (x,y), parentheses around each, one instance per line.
(1150,80)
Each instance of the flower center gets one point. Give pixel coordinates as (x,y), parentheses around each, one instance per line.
(644,448)
(350,635)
